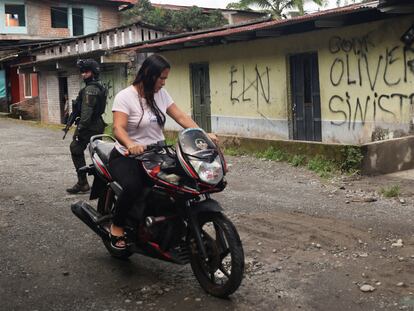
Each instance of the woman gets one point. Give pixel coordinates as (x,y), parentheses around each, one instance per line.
(139,118)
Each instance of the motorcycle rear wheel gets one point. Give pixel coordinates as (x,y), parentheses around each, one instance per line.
(222,273)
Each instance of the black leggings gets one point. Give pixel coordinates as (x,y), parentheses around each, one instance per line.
(129,174)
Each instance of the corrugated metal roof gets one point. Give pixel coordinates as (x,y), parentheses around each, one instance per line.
(238,30)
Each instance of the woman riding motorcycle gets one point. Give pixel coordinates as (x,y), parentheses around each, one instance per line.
(139,118)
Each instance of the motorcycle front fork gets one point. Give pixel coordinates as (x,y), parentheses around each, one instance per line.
(195,228)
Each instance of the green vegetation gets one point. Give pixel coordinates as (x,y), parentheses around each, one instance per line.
(273,154)
(233,152)
(190,19)
(298,160)
(320,165)
(276,8)
(352,159)
(391,192)
(324,168)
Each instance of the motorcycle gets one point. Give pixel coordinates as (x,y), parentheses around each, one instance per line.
(175,219)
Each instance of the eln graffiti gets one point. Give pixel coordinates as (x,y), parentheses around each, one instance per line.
(260,83)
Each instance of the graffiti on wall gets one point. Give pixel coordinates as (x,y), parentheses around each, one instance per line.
(358,65)
(245,84)
(108,85)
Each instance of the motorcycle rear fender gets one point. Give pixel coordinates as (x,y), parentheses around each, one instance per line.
(206,206)
(98,187)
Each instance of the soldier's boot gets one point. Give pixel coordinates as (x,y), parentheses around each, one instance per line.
(81,186)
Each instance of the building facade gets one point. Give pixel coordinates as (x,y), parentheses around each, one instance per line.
(338,76)
(328,81)
(59,78)
(25,23)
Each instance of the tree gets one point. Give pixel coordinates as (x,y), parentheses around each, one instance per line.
(274,7)
(184,20)
(348,2)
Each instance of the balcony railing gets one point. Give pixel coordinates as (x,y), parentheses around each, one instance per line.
(99,41)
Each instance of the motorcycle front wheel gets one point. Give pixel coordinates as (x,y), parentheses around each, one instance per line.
(221,274)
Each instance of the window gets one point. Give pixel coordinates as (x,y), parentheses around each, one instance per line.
(15,16)
(59,17)
(77,22)
(27,85)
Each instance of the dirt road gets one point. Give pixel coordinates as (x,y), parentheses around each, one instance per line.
(310,244)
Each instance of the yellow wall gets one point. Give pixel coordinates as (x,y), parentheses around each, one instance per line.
(381,77)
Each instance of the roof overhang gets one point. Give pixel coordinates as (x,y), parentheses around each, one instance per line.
(68,63)
(338,17)
(396,6)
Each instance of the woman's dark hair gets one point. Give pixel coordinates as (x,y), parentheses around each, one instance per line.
(148,74)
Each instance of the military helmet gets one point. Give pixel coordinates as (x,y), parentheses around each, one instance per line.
(88,64)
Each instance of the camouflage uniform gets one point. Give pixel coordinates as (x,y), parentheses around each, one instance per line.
(92,104)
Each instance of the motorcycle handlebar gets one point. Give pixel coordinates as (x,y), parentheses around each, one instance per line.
(150,149)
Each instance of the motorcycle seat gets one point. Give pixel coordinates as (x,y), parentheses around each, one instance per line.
(103,149)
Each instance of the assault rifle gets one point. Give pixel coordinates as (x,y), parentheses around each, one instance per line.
(73,118)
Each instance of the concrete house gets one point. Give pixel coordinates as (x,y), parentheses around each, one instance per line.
(55,66)
(27,24)
(336,76)
(340,76)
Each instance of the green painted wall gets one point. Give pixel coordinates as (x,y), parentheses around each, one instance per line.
(115,79)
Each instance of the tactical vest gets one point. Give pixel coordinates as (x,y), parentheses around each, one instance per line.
(103,94)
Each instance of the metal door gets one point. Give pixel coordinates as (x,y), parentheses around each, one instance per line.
(306,104)
(200,82)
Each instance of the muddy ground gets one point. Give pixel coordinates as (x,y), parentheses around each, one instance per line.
(310,244)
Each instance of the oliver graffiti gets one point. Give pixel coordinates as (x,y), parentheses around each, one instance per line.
(341,71)
(259,85)
(356,66)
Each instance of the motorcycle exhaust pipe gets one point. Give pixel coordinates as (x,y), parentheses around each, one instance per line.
(90,217)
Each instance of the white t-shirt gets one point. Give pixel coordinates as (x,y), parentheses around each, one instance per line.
(149,131)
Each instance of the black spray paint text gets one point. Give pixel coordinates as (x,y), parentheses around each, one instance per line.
(357,67)
(260,84)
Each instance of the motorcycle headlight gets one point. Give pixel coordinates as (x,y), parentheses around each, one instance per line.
(210,173)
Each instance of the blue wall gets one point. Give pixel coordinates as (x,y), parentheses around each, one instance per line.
(2,84)
(90,18)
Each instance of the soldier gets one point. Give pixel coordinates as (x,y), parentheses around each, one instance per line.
(91,102)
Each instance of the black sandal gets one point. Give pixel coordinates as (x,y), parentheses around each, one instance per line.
(116,239)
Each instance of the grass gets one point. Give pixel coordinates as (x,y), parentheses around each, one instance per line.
(233,152)
(391,192)
(297,160)
(273,154)
(321,166)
